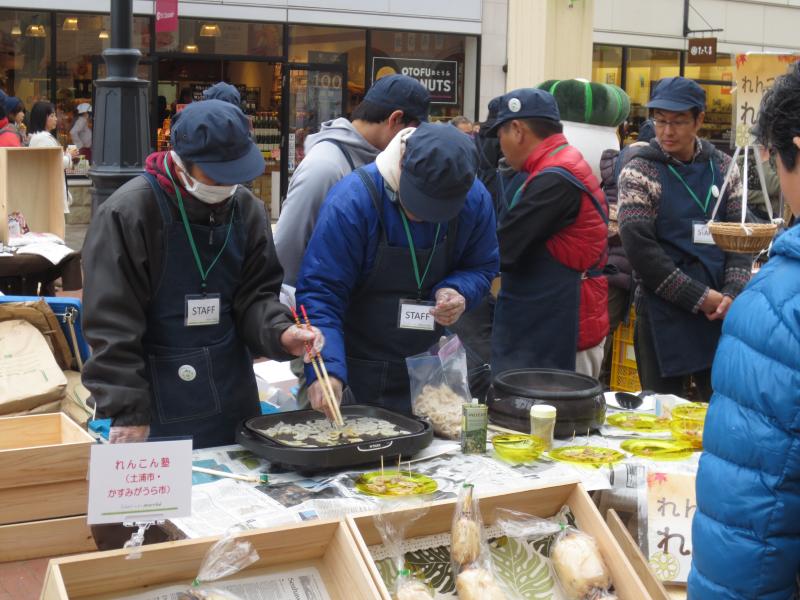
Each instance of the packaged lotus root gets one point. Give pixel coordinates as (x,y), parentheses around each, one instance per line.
(224,559)
(579,566)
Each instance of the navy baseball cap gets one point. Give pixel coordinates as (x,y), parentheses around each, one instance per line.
(525,103)
(223,91)
(437,170)
(677,94)
(401,92)
(215,135)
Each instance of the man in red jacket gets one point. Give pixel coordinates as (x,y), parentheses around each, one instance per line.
(552,309)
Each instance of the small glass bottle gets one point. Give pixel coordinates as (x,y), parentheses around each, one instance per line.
(543,422)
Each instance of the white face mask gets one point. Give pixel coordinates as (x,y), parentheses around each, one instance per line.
(210,194)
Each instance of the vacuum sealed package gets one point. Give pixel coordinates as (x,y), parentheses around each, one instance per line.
(469,551)
(392,527)
(439,385)
(225,558)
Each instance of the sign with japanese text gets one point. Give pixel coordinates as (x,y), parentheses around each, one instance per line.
(440,77)
(670,509)
(141,482)
(754,75)
(166,15)
(702,51)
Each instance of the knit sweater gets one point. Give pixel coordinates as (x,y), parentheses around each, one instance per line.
(639,201)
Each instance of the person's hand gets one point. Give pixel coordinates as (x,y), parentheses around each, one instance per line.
(295,338)
(317,398)
(711,303)
(450,305)
(722,309)
(128,433)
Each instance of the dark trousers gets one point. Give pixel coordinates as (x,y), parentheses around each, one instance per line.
(650,373)
(618,305)
(474,328)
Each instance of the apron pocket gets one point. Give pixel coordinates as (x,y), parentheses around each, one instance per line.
(183,386)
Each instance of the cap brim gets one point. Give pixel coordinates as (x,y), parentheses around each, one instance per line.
(495,127)
(427,208)
(241,170)
(670,105)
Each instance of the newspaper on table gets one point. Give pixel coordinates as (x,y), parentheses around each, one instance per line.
(300,584)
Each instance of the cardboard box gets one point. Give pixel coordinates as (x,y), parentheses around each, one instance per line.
(327,545)
(45,461)
(542,501)
(32,182)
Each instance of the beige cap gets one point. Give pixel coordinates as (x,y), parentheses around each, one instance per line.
(543,411)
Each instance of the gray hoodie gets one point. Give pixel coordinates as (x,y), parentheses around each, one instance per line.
(323,166)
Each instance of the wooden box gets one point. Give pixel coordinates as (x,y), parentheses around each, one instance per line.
(327,545)
(43,487)
(32,182)
(542,501)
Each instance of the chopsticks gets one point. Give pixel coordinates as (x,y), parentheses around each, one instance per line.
(320,371)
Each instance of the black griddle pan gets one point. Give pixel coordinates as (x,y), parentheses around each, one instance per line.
(334,457)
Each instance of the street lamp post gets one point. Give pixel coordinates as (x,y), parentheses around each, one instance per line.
(120,138)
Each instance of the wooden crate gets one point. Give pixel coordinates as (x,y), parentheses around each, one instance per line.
(32,182)
(44,492)
(543,502)
(327,545)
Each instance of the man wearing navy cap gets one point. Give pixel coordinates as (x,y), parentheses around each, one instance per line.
(552,308)
(402,247)
(667,192)
(181,288)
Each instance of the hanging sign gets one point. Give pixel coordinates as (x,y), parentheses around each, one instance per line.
(166,15)
(671,505)
(754,75)
(440,77)
(148,481)
(702,51)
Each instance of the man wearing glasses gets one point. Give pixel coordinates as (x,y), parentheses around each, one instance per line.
(686,284)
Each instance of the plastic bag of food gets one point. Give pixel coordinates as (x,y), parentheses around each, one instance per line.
(439,385)
(469,551)
(392,522)
(225,558)
(579,566)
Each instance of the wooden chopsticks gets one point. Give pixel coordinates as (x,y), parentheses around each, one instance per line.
(320,371)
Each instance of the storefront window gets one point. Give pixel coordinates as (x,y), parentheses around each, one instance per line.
(607,64)
(80,41)
(438,60)
(718,125)
(332,46)
(25,55)
(230,38)
(645,67)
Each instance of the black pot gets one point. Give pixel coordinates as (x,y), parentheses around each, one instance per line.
(578,400)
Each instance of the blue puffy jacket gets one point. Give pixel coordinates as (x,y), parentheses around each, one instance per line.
(746,532)
(342,250)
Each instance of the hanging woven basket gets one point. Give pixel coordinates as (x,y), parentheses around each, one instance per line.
(744,238)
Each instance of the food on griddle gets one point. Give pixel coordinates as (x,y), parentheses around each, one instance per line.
(319,433)
(478,584)
(579,565)
(442,406)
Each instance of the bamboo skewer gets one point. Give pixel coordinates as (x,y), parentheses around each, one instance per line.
(263,478)
(327,392)
(326,380)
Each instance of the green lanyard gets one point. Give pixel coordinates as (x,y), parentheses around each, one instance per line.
(414,263)
(203,272)
(691,191)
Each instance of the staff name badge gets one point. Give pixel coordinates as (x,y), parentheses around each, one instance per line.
(416,314)
(701,234)
(202,310)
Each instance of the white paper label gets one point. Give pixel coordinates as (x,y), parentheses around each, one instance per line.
(147,481)
(202,310)
(702,235)
(416,315)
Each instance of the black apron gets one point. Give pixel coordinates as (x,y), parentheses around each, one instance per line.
(685,342)
(537,317)
(201,377)
(376,347)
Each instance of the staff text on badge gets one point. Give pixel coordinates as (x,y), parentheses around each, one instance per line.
(701,234)
(202,310)
(415,314)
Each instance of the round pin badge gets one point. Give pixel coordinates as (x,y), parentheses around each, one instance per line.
(514,105)
(715,191)
(187,372)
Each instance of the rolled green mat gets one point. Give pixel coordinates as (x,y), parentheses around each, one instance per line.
(583,101)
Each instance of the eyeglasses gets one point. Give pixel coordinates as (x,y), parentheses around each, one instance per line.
(662,124)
